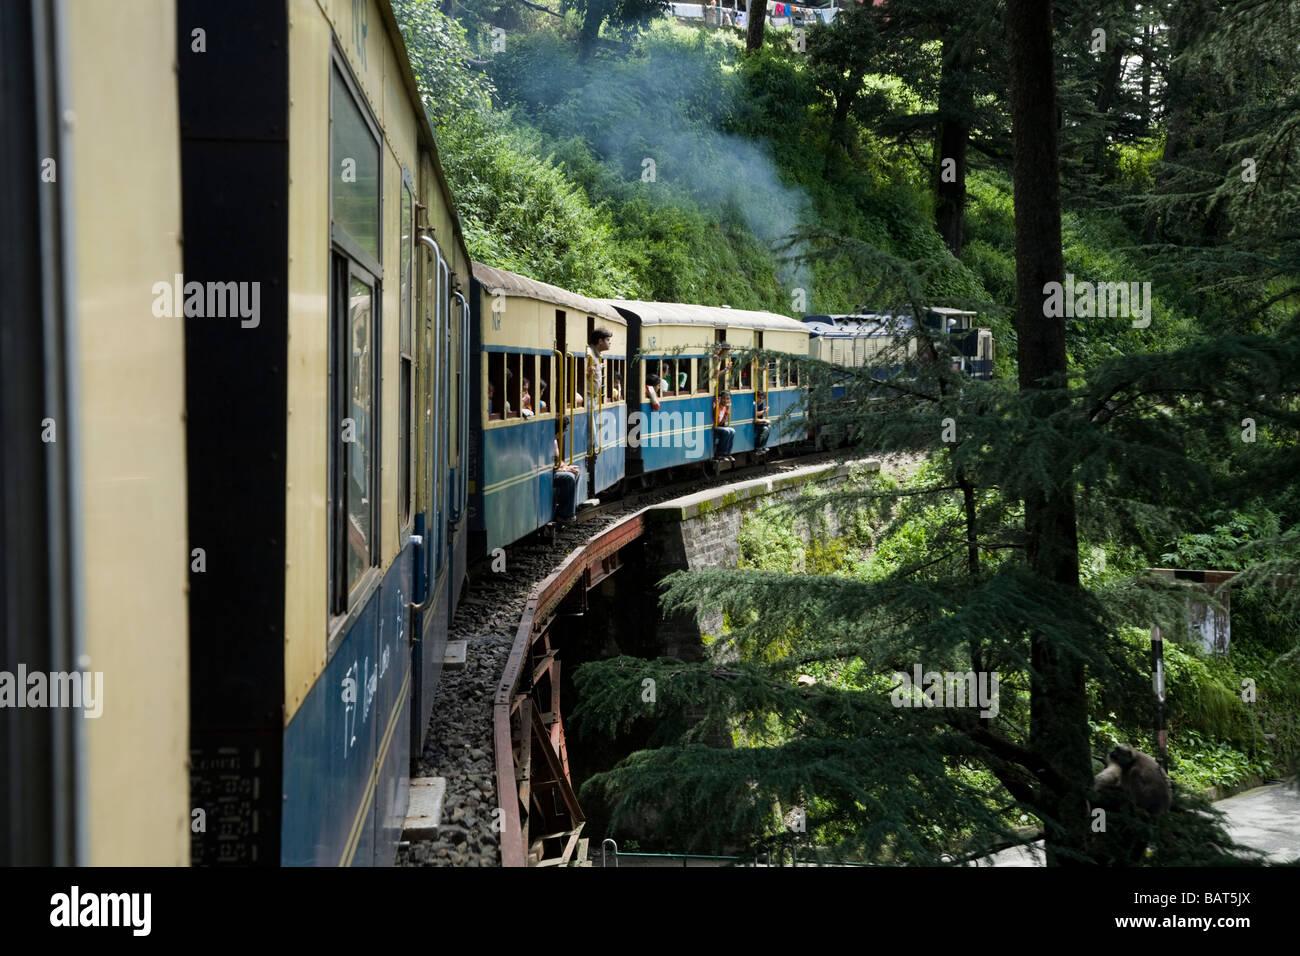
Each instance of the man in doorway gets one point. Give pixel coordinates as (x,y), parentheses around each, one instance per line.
(723,434)
(601,340)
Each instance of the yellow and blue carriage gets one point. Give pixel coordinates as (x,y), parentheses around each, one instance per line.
(681,344)
(326,441)
(540,386)
(888,342)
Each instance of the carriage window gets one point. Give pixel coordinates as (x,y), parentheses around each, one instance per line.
(356,451)
(794,373)
(542,385)
(513,385)
(701,375)
(496,386)
(528,386)
(684,376)
(354,324)
(746,380)
(354,178)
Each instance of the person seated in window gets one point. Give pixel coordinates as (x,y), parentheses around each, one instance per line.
(651,390)
(493,414)
(565,485)
(723,434)
(526,398)
(617,386)
(761,422)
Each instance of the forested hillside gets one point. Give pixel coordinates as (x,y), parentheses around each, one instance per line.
(877,163)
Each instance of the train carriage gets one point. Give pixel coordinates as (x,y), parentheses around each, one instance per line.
(95,560)
(535,388)
(680,343)
(325,438)
(888,341)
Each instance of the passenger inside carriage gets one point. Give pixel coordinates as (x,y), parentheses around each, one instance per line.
(493,413)
(761,422)
(651,390)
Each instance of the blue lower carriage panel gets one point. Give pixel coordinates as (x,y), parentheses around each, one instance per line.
(611,443)
(680,433)
(518,461)
(347,749)
(789,424)
(742,420)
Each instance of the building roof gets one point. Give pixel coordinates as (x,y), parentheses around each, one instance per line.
(499,281)
(711,316)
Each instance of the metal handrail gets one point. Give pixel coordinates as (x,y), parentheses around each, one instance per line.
(428,535)
(559,413)
(462,493)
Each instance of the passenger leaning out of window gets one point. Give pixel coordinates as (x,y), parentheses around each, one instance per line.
(652,390)
(601,340)
(723,434)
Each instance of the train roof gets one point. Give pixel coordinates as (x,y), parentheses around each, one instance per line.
(499,281)
(857,326)
(875,323)
(711,316)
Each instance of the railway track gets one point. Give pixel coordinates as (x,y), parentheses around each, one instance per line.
(459,746)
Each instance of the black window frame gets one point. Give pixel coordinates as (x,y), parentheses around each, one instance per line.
(349,259)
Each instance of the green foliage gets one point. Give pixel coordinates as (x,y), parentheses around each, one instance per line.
(521,213)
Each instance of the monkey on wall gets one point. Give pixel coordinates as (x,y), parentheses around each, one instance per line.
(1137,775)
(1130,779)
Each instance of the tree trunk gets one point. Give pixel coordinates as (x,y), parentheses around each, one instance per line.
(950,143)
(754,26)
(591,21)
(839,132)
(1110,82)
(1148,43)
(1058,729)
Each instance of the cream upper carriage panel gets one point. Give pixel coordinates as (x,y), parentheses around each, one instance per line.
(364,35)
